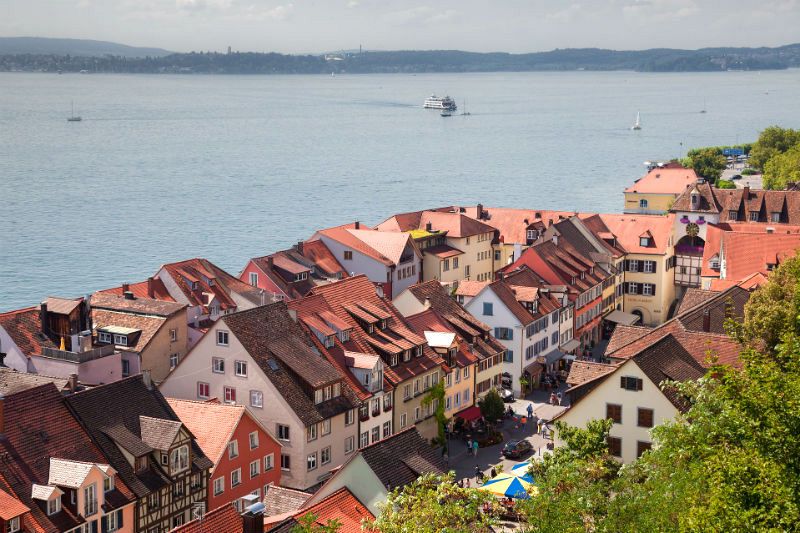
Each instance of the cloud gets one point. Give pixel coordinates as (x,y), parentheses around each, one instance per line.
(567,14)
(660,10)
(352,4)
(420,15)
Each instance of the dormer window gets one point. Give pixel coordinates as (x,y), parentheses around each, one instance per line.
(644,242)
(406,355)
(53,507)
(583,275)
(104,337)
(733,215)
(141,464)
(179,459)
(370,328)
(121,340)
(714,263)
(329,341)
(344,335)
(418,351)
(302,276)
(393,359)
(108,483)
(453,352)
(211,282)
(753,216)
(14,525)
(384,323)
(195,285)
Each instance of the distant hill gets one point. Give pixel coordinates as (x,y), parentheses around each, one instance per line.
(73,47)
(71,55)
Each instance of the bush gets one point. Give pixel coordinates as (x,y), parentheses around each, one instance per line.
(725,184)
(749,172)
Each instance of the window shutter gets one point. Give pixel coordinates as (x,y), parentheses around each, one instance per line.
(622,381)
(510,334)
(640,288)
(93,526)
(104,524)
(119,519)
(654,289)
(496,333)
(627,265)
(655,266)
(638,384)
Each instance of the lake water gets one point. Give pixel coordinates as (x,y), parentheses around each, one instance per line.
(163,168)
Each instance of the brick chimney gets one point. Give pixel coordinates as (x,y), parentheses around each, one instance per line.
(300,247)
(479,210)
(151,290)
(706,320)
(358,224)
(270,262)
(126,287)
(746,193)
(253,519)
(72,382)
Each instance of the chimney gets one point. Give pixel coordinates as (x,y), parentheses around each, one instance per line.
(428,227)
(358,224)
(72,382)
(253,519)
(126,287)
(706,320)
(480,211)
(128,295)
(746,193)
(300,247)
(147,379)
(270,262)
(151,290)
(427,303)
(43,319)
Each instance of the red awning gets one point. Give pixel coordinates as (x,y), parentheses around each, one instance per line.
(470,413)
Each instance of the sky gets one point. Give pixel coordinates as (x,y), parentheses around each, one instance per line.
(314,26)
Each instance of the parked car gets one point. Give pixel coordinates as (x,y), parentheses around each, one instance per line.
(517,448)
(506,395)
(736,177)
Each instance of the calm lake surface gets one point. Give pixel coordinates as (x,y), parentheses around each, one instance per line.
(164,168)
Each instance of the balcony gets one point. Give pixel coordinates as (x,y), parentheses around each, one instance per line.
(376,412)
(79,357)
(363,417)
(387,408)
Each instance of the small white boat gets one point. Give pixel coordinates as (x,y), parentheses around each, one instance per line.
(465,113)
(73,117)
(446,113)
(638,124)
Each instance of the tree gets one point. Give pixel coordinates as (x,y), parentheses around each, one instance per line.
(434,504)
(772,141)
(437,394)
(492,406)
(707,162)
(782,169)
(308,524)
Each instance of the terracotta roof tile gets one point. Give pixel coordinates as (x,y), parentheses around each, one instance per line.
(628,228)
(223,519)
(152,288)
(12,381)
(139,306)
(148,326)
(203,272)
(402,458)
(582,371)
(281,500)
(664,181)
(456,225)
(11,507)
(693,297)
(513,224)
(341,506)
(24,328)
(470,288)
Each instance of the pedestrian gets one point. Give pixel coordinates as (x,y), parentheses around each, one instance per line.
(475,447)
(530,410)
(469,446)
(539,426)
(494,473)
(524,422)
(558,396)
(553,398)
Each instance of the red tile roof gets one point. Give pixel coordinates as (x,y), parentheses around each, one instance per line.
(203,272)
(224,519)
(456,225)
(342,506)
(24,328)
(664,181)
(152,288)
(513,223)
(748,253)
(470,288)
(628,228)
(583,371)
(751,282)
(322,257)
(385,247)
(430,320)
(10,506)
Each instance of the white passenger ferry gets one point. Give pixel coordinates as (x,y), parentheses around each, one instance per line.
(436,102)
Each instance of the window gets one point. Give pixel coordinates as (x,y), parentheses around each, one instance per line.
(732,215)
(283,432)
(615,446)
(376,434)
(614,412)
(349,417)
(121,340)
(648,289)
(230,395)
(387,429)
(643,204)
(105,337)
(325,455)
(173,360)
(177,521)
(256,398)
(403,421)
(416,387)
(233,449)
(254,440)
(286,462)
(508,356)
(179,459)
(455,263)
(236,477)
(630,383)
(644,418)
(753,216)
(53,506)
(240,368)
(504,334)
(311,432)
(90,500)
(153,501)
(13,525)
(363,439)
(218,365)
(269,462)
(311,461)
(633,288)
(649,266)
(633,265)
(458,376)
(255,469)
(348,255)
(349,444)
(466,372)
(445,265)
(641,447)
(644,242)
(488,309)
(254,279)
(126,368)
(775,217)
(222,338)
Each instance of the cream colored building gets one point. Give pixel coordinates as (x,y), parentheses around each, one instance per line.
(654,193)
(631,395)
(455,247)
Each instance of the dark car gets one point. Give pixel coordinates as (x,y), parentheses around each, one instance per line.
(516,448)
(506,395)
(736,177)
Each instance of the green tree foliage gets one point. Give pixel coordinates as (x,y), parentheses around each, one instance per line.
(772,141)
(725,184)
(434,504)
(437,394)
(707,162)
(782,168)
(308,524)
(492,406)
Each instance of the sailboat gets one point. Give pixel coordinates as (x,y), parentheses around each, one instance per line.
(638,124)
(73,117)
(704,106)
(465,113)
